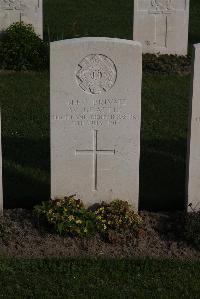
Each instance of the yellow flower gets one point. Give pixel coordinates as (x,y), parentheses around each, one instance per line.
(71,217)
(109,222)
(78,221)
(85,230)
(104,226)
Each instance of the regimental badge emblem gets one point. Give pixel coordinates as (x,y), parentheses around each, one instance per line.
(96,74)
(10,4)
(162,5)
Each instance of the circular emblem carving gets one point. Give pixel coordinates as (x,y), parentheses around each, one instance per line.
(162,4)
(96,74)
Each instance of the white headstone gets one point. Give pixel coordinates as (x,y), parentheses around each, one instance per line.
(28,11)
(95,119)
(193,163)
(162,25)
(1,184)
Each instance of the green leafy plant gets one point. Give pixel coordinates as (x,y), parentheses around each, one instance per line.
(22,49)
(68,216)
(166,64)
(117,216)
(192,228)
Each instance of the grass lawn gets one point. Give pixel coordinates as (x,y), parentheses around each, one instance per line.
(25,137)
(77,18)
(98,278)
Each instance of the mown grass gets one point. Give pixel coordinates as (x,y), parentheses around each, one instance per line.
(25,137)
(77,18)
(194,35)
(98,278)
(164,141)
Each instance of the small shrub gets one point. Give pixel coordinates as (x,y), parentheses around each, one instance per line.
(165,64)
(68,216)
(22,49)
(116,216)
(192,228)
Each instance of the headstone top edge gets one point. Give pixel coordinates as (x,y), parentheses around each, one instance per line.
(196,46)
(96,39)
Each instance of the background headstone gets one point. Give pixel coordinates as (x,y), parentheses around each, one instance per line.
(193,166)
(95,119)
(28,11)
(162,25)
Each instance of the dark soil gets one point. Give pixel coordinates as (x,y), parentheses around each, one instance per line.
(167,64)
(20,236)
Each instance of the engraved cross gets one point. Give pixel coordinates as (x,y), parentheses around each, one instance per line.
(95,152)
(161,12)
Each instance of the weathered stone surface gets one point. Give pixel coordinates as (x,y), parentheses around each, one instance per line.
(28,11)
(95,119)
(162,25)
(193,163)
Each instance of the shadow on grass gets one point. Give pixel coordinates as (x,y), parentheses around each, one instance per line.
(162,175)
(26,168)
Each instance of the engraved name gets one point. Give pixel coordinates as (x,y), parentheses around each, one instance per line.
(96,113)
